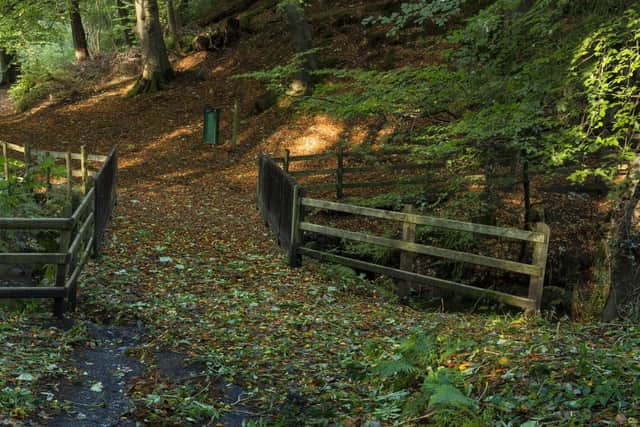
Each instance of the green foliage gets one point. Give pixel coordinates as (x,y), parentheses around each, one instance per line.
(25,22)
(18,199)
(44,72)
(413,371)
(418,13)
(102,25)
(606,74)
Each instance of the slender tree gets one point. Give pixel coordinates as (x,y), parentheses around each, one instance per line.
(300,31)
(77,32)
(123,17)
(156,68)
(174,20)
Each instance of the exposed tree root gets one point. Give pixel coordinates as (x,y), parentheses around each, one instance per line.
(156,83)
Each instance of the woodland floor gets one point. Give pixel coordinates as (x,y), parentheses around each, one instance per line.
(205,320)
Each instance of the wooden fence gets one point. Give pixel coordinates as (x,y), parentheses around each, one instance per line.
(78,233)
(344,175)
(539,237)
(274,208)
(275,198)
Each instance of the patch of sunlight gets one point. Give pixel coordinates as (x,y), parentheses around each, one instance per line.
(190,62)
(308,135)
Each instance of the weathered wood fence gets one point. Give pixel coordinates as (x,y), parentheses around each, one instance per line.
(79,235)
(275,198)
(294,206)
(344,176)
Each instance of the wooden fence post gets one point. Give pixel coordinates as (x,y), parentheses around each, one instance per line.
(340,171)
(69,177)
(285,165)
(540,250)
(61,269)
(83,167)
(407,259)
(296,234)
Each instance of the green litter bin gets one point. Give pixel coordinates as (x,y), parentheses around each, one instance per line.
(211,125)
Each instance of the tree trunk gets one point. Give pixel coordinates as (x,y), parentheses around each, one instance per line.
(174,21)
(624,256)
(183,10)
(123,17)
(156,68)
(300,31)
(5,64)
(77,32)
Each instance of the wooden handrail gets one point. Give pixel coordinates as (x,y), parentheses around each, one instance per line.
(516,267)
(509,233)
(448,285)
(36,223)
(56,154)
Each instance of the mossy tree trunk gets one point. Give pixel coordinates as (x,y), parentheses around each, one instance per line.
(624,255)
(77,32)
(156,68)
(300,31)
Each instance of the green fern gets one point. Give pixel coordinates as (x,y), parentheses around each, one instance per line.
(393,368)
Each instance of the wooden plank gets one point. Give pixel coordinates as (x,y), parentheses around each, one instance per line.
(57,154)
(36,224)
(15,147)
(72,283)
(80,235)
(311,172)
(509,233)
(69,177)
(32,292)
(78,173)
(87,203)
(501,264)
(83,168)
(62,267)
(286,163)
(296,233)
(540,252)
(525,303)
(74,156)
(33,258)
(407,259)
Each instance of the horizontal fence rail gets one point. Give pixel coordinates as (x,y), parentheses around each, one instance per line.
(78,232)
(536,270)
